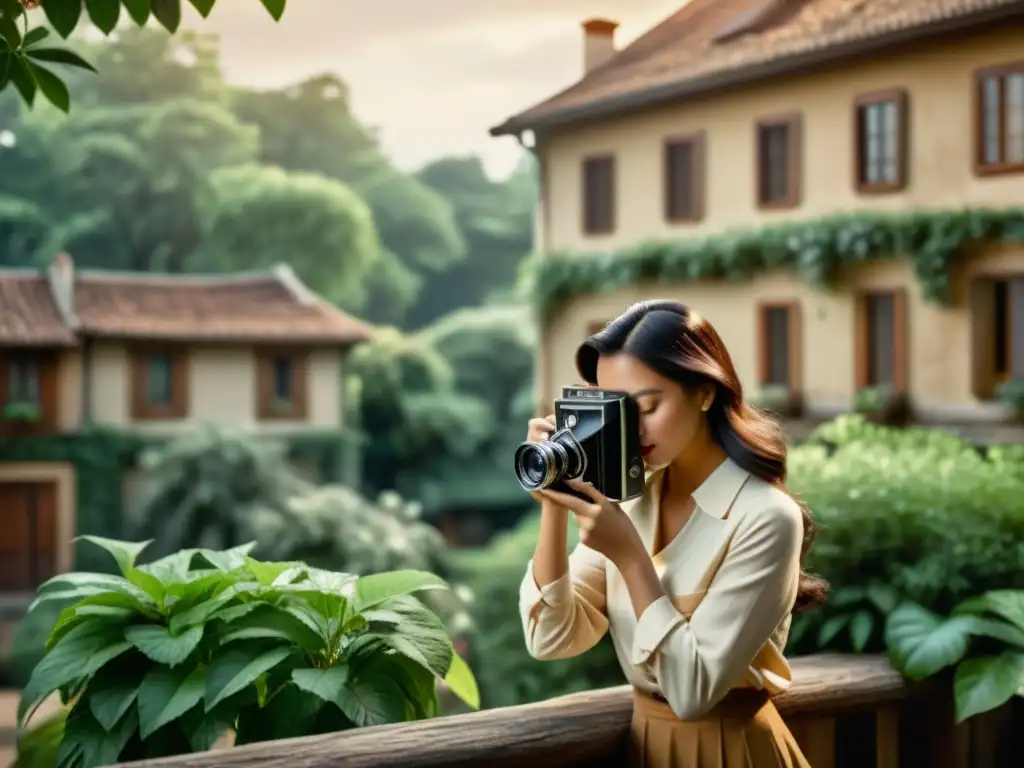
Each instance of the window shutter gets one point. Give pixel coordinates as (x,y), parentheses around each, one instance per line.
(1016,297)
(900,345)
(860,342)
(796,356)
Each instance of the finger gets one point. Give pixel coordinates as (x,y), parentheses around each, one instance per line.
(590,490)
(572,503)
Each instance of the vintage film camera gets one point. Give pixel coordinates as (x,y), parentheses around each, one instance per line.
(597,440)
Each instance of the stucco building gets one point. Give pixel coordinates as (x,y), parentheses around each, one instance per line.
(151,355)
(742,147)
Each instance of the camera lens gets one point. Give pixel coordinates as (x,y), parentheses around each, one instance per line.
(534,467)
(539,465)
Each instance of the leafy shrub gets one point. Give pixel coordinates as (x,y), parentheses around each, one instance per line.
(905,514)
(508,675)
(983,639)
(167,657)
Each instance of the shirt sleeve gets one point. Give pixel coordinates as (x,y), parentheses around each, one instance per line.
(697,660)
(566,617)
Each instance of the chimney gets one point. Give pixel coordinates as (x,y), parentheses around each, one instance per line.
(62,286)
(598,42)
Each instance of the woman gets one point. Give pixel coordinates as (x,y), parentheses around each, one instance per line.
(698,578)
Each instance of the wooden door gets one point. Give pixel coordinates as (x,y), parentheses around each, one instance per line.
(28,546)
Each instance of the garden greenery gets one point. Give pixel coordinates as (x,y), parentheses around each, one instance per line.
(167,657)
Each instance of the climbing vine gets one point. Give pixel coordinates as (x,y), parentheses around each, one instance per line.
(814,249)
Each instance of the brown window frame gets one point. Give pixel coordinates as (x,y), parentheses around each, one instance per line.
(986,371)
(588,217)
(47,366)
(141,407)
(298,408)
(862,339)
(793,122)
(794,342)
(981,167)
(900,99)
(696,183)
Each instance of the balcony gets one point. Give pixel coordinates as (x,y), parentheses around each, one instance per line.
(846,712)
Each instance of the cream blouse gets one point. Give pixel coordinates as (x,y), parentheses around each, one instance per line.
(730,578)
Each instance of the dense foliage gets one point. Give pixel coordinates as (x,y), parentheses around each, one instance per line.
(167,657)
(815,249)
(913,516)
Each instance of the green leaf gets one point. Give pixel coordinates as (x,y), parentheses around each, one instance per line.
(80,654)
(860,630)
(109,698)
(125,553)
(462,683)
(104,14)
(228,559)
(374,700)
(161,646)
(147,582)
(86,743)
(326,684)
(204,729)
(997,629)
(1007,603)
(138,10)
(883,597)
(108,608)
(275,8)
(201,613)
(10,32)
(27,88)
(288,714)
(167,12)
(173,568)
(831,628)
(272,623)
(166,694)
(36,35)
(267,573)
(234,669)
(921,642)
(203,6)
(63,15)
(985,683)
(375,589)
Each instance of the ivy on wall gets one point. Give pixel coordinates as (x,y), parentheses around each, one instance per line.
(816,250)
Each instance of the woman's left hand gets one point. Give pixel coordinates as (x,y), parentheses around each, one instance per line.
(604,527)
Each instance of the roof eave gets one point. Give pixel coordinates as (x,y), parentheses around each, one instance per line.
(675,91)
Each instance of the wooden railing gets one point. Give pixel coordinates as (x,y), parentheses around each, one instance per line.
(846,712)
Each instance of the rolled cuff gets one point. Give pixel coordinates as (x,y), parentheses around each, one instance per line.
(553,595)
(656,623)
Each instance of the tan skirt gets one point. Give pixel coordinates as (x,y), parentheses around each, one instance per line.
(744,730)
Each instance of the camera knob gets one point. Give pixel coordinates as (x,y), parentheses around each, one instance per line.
(570,420)
(635,471)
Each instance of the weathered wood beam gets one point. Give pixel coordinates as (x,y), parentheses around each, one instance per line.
(578,729)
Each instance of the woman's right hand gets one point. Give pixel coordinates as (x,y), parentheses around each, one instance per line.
(537,430)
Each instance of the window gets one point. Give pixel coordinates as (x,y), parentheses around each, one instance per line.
(880,134)
(1000,120)
(159,380)
(778,162)
(599,195)
(880,340)
(159,384)
(779,358)
(997,319)
(281,384)
(684,179)
(23,380)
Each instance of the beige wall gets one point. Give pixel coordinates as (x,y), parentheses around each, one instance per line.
(222,390)
(939,82)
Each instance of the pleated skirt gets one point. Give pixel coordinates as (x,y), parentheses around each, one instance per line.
(744,730)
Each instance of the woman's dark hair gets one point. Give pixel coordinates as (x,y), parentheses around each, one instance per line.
(682,346)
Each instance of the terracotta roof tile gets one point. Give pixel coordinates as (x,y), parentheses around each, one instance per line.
(28,313)
(229,308)
(681,57)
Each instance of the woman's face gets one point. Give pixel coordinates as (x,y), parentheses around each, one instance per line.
(671,418)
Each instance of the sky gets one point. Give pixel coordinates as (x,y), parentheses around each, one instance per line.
(431,75)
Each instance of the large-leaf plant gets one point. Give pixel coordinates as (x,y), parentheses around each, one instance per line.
(983,640)
(168,657)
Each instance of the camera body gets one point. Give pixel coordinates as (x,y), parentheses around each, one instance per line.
(596,440)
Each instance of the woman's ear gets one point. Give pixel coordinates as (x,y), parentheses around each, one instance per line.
(706,396)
